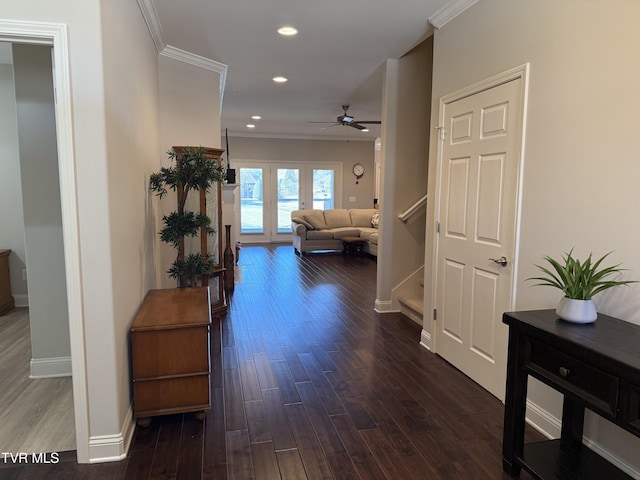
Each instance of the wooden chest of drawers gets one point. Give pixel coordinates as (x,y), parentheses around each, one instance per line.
(170,353)
(6,299)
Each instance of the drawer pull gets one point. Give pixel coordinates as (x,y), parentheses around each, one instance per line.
(564,372)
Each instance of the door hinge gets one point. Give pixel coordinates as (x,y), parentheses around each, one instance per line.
(442,132)
(435,314)
(437,227)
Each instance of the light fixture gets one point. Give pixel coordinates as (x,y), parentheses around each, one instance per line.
(256,117)
(250,125)
(364,130)
(287,30)
(280,79)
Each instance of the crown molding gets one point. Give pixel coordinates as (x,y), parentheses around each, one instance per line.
(450,11)
(150,15)
(198,61)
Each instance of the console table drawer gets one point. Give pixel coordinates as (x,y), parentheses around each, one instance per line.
(571,375)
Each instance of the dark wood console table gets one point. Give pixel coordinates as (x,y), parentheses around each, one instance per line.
(595,366)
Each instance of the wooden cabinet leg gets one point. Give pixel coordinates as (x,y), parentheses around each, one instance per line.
(201,415)
(144,422)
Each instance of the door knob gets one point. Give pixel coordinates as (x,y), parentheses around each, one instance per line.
(500,261)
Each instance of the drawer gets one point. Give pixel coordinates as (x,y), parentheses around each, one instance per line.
(595,388)
(171,395)
(157,353)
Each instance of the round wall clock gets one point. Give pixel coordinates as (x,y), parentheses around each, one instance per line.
(358,170)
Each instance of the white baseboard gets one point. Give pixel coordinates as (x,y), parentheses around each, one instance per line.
(384,306)
(551,426)
(21,300)
(50,367)
(425,339)
(112,448)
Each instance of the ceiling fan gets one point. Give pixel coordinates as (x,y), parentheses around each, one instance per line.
(350,121)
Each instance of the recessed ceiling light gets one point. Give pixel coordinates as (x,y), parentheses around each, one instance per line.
(256,117)
(287,30)
(280,79)
(250,125)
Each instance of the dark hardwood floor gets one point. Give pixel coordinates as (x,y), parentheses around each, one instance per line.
(309,382)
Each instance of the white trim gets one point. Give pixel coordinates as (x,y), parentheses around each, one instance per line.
(551,427)
(547,424)
(56,35)
(425,339)
(113,448)
(384,306)
(198,61)
(450,11)
(52,367)
(150,15)
(21,299)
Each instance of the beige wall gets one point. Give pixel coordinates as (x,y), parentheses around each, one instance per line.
(581,167)
(345,152)
(189,115)
(131,116)
(405,143)
(115,110)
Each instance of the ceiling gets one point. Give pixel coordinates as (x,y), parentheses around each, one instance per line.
(335,59)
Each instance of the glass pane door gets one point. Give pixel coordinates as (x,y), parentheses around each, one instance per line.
(251,200)
(323,187)
(288,195)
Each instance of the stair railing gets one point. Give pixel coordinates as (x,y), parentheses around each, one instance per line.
(409,212)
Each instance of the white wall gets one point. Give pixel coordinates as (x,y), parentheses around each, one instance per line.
(48,312)
(11,218)
(581,167)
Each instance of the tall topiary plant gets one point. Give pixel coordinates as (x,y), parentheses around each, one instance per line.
(193,170)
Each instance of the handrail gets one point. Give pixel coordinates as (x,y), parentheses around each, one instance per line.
(409,212)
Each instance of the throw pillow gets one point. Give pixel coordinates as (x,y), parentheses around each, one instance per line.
(375,220)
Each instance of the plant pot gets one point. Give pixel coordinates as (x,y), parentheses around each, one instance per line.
(577,311)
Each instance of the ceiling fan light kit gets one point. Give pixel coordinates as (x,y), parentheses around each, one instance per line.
(350,121)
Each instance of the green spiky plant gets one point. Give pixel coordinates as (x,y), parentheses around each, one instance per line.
(193,170)
(579,280)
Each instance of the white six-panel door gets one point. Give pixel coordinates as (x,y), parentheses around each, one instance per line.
(478,208)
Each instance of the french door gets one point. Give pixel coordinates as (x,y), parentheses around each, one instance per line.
(270,191)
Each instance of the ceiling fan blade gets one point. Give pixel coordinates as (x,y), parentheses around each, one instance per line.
(376,122)
(355,125)
(332,125)
(324,122)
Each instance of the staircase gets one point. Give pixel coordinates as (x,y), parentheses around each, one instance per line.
(412,305)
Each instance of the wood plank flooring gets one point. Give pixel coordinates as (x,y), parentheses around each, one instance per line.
(36,415)
(309,382)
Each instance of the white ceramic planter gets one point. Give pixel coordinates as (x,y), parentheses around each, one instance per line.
(577,311)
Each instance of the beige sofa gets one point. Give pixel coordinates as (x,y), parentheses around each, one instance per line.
(325,229)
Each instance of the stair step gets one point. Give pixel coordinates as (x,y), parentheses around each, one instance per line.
(414,303)
(412,307)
